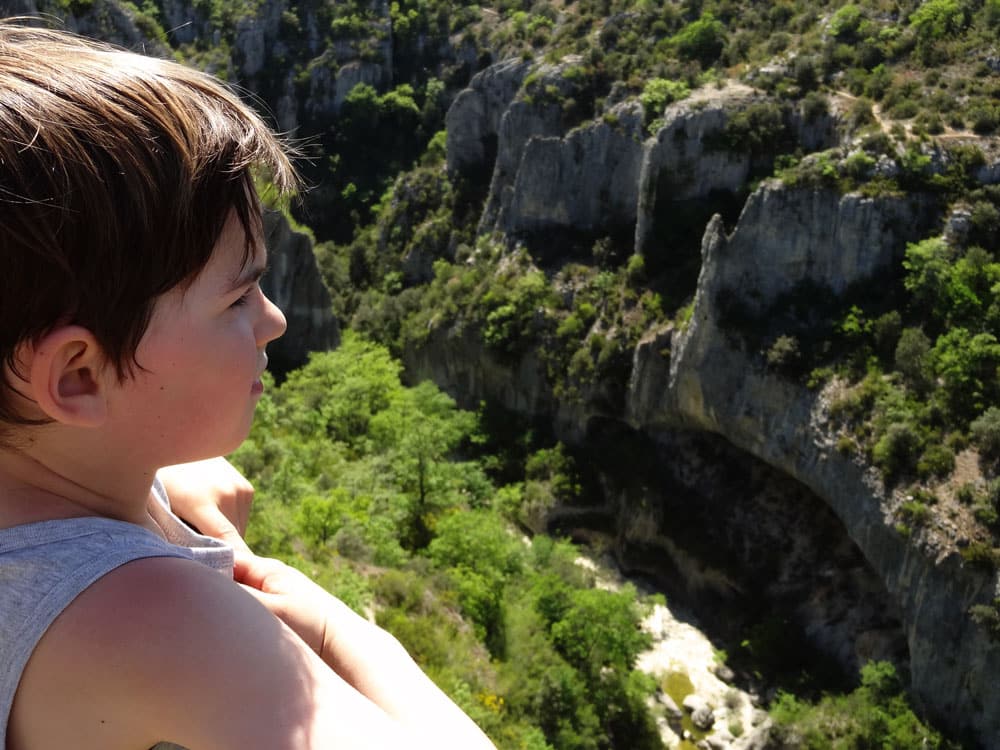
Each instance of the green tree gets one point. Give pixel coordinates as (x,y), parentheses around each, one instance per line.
(935,19)
(702,40)
(417,433)
(912,358)
(966,364)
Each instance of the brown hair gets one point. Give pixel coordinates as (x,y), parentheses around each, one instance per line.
(117,174)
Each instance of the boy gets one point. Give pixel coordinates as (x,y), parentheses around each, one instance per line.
(132,337)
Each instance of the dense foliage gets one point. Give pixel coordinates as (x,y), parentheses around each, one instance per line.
(875,715)
(376,490)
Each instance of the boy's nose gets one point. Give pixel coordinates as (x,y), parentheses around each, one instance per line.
(273,323)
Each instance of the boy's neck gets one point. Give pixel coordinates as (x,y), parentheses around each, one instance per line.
(43,483)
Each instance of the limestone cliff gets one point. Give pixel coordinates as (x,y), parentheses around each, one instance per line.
(294,284)
(473,120)
(605,174)
(703,379)
(713,384)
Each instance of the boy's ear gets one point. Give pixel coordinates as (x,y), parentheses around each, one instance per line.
(65,376)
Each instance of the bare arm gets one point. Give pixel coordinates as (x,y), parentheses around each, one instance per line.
(164,649)
(367,657)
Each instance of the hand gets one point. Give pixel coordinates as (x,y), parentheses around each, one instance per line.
(212,496)
(292,597)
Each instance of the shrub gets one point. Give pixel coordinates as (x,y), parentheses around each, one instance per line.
(845,21)
(859,166)
(886,330)
(984,118)
(758,129)
(860,114)
(912,358)
(658,93)
(897,450)
(701,40)
(937,460)
(980,555)
(966,494)
(914,512)
(784,353)
(875,715)
(987,616)
(985,431)
(814,106)
(935,19)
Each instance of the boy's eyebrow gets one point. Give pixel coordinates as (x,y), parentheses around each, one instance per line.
(249,274)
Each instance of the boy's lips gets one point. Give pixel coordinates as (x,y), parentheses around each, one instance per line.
(257,386)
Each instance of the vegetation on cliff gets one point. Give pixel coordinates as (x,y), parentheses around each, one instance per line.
(396,501)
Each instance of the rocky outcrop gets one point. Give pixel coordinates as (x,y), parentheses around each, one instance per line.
(677,164)
(585,181)
(605,175)
(294,284)
(457,362)
(914,596)
(712,383)
(473,120)
(786,238)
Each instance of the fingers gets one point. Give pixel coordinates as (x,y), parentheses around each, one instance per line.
(211,521)
(253,571)
(212,495)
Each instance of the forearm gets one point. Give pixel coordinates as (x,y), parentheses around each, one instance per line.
(385,673)
(366,657)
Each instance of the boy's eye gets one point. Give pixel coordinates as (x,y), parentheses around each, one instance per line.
(243,298)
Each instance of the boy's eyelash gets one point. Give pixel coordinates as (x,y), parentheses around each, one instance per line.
(243,298)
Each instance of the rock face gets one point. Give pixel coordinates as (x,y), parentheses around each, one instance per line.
(294,284)
(786,238)
(473,120)
(702,380)
(677,162)
(713,384)
(605,175)
(585,181)
(457,362)
(522,122)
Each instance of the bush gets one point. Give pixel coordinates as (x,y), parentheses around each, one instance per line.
(987,616)
(701,40)
(985,431)
(912,358)
(886,330)
(784,353)
(814,106)
(658,93)
(875,715)
(897,450)
(935,19)
(937,460)
(915,513)
(981,555)
(845,21)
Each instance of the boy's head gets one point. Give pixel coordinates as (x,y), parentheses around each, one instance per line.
(117,175)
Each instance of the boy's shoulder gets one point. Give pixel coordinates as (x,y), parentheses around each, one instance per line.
(158,649)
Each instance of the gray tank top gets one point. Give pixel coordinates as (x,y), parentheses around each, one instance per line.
(45,565)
